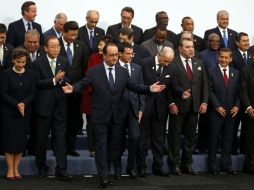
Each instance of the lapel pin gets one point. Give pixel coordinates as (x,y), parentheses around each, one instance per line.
(153,68)
(232,74)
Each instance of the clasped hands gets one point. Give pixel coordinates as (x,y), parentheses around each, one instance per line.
(221,111)
(59,76)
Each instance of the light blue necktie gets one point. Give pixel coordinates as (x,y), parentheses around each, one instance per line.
(69,54)
(225,39)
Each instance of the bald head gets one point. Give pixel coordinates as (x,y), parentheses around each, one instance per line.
(165,56)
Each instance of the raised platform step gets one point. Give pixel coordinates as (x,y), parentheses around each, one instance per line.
(85,165)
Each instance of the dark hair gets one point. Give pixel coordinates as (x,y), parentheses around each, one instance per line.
(105,48)
(3,28)
(128,9)
(127,31)
(158,14)
(186,17)
(108,38)
(48,38)
(25,6)
(227,50)
(239,36)
(19,52)
(160,27)
(123,45)
(70,25)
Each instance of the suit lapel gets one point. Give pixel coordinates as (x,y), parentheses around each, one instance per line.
(47,67)
(104,76)
(195,69)
(182,68)
(220,77)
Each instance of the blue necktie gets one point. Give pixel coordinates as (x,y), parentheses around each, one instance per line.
(91,39)
(245,58)
(111,78)
(225,39)
(69,53)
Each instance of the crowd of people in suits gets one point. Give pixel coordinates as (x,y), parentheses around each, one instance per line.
(156,86)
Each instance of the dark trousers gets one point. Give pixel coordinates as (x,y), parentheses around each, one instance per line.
(57,124)
(249,145)
(104,147)
(90,134)
(74,120)
(185,124)
(130,122)
(151,132)
(226,129)
(203,133)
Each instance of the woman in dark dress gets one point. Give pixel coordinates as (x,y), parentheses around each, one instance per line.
(17,90)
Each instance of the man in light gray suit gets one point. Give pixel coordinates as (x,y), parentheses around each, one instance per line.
(158,41)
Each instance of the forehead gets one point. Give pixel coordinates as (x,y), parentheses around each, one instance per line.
(112,49)
(32,8)
(224,54)
(53,42)
(188,21)
(162,15)
(187,43)
(128,50)
(126,14)
(93,16)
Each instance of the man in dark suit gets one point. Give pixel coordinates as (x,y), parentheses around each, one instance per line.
(139,53)
(183,117)
(223,107)
(5,49)
(50,108)
(16,30)
(57,29)
(188,25)
(77,60)
(247,103)
(132,108)
(127,14)
(227,36)
(241,58)
(90,34)
(153,122)
(109,81)
(161,19)
(158,41)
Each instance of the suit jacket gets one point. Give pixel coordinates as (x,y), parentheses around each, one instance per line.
(50,96)
(16,33)
(198,85)
(198,42)
(83,36)
(50,32)
(106,102)
(136,101)
(210,58)
(219,95)
(171,36)
(231,38)
(7,60)
(114,31)
(247,84)
(152,47)
(79,59)
(158,101)
(238,61)
(139,53)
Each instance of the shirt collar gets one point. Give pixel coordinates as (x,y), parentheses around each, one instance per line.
(106,66)
(122,63)
(49,59)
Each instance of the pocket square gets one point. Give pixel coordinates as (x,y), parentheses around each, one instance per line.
(167,76)
(199,68)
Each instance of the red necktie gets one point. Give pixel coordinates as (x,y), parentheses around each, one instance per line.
(225,76)
(188,70)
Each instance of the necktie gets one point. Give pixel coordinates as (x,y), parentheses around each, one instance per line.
(53,66)
(1,55)
(111,78)
(188,70)
(33,57)
(245,58)
(127,68)
(158,72)
(91,39)
(225,39)
(69,53)
(29,26)
(225,76)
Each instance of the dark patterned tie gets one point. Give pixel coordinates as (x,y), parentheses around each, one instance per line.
(91,39)
(225,39)
(245,58)
(29,26)
(158,72)
(69,53)
(111,79)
